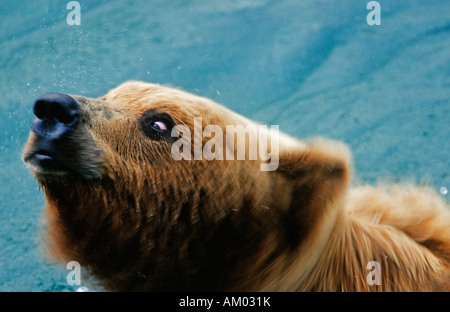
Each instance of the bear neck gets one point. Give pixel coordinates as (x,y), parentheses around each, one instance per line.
(161,249)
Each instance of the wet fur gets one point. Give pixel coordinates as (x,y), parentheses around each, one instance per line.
(139,220)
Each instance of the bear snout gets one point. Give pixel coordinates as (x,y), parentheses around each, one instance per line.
(56,115)
(58,141)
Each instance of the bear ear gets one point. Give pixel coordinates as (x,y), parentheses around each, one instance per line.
(318,173)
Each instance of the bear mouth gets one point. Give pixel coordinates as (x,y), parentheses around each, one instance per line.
(49,161)
(45,162)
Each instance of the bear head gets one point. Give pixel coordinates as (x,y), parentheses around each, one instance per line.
(138,207)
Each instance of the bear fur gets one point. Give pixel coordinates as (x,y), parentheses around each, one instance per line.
(138,220)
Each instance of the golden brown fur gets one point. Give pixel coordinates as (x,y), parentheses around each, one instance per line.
(140,220)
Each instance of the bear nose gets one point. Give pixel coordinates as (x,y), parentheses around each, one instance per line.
(56,114)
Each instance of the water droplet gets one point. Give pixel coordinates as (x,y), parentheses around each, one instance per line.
(82,289)
(443,190)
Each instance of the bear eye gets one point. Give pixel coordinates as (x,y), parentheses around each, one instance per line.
(157,125)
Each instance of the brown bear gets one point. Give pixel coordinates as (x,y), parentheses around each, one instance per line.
(139,217)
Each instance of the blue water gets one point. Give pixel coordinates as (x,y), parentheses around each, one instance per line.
(312,67)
